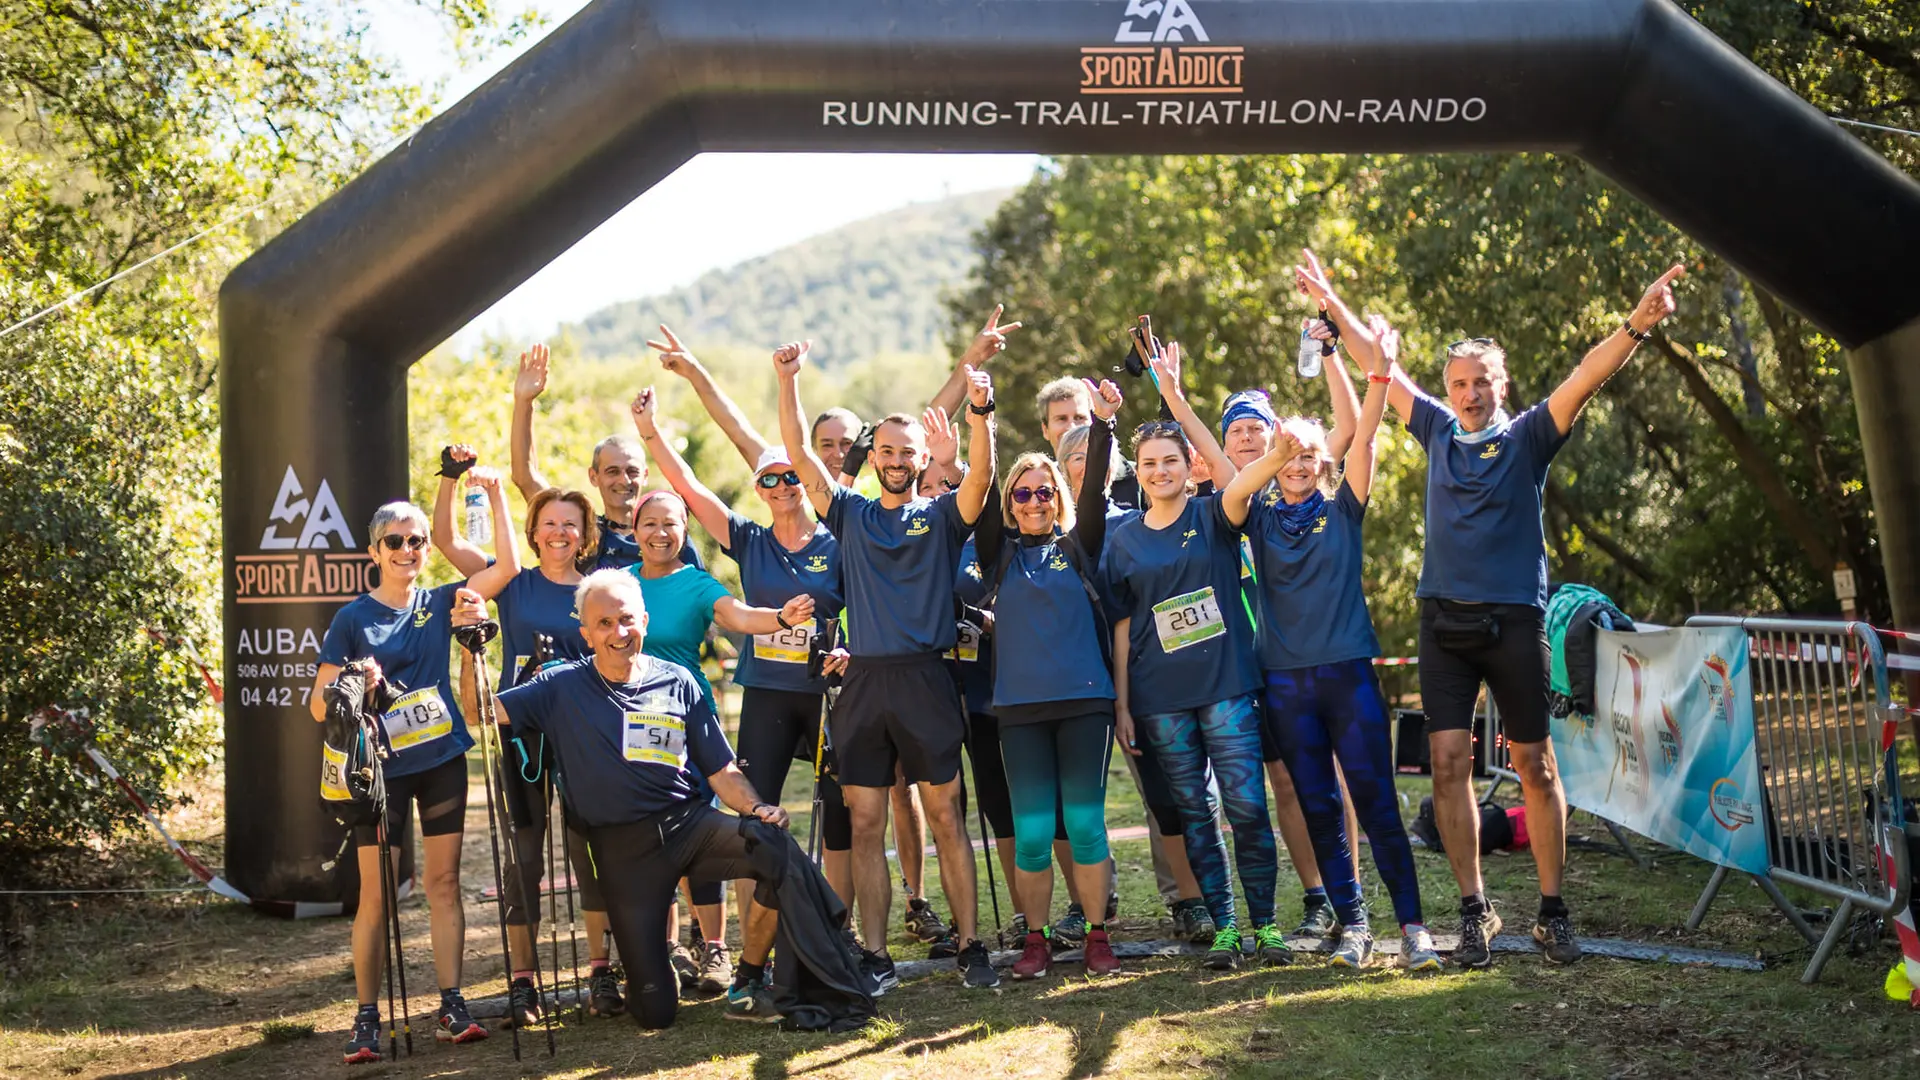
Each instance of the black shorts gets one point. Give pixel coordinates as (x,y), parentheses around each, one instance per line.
(1514,667)
(902,709)
(442,794)
(776,728)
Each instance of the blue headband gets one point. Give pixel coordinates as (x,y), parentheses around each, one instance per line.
(1245,404)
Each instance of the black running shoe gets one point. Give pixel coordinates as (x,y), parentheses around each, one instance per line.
(923,922)
(523,1004)
(454,1025)
(879,971)
(603,993)
(1554,935)
(1318,919)
(685,968)
(1071,931)
(363,1045)
(976,967)
(948,945)
(1477,932)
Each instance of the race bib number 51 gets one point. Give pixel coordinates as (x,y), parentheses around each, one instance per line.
(418,717)
(1188,619)
(784,646)
(656,738)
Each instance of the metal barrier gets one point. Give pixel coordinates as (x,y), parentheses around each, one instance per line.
(1825,725)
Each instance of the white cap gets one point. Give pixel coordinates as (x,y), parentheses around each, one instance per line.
(771,456)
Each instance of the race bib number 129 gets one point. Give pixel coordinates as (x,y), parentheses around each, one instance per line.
(1188,619)
(784,646)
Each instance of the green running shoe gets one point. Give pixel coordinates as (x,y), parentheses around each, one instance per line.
(1271,945)
(1224,955)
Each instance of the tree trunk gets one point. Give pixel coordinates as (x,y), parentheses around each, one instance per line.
(1735,296)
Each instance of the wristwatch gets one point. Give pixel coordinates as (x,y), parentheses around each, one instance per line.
(979,410)
(1637,335)
(781,618)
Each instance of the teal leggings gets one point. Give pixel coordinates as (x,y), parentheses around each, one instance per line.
(1058,765)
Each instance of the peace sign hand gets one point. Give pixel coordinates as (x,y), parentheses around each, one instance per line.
(1657,303)
(788,358)
(991,340)
(642,409)
(1105,396)
(1312,281)
(674,357)
(532,380)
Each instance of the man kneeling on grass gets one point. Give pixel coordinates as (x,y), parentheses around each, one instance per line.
(640,755)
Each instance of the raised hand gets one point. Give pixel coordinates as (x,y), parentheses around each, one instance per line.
(1657,303)
(991,340)
(532,380)
(788,358)
(1106,397)
(1166,371)
(979,387)
(674,357)
(1312,281)
(642,408)
(797,610)
(1317,329)
(486,478)
(943,439)
(1387,336)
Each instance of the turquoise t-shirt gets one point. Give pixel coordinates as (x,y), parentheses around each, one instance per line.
(679,611)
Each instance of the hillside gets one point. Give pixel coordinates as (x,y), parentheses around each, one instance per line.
(864,290)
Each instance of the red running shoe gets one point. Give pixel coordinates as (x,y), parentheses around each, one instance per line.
(1100,958)
(1036,957)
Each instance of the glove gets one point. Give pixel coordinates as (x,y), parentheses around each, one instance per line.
(451,469)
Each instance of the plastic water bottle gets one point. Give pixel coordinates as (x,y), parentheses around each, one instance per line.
(1308,362)
(479,518)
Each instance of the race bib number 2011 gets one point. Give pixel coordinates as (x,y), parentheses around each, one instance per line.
(656,738)
(418,717)
(1188,619)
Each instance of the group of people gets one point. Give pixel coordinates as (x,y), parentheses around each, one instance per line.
(1202,606)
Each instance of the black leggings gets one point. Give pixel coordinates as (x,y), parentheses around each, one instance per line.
(639,866)
(777,727)
(441,792)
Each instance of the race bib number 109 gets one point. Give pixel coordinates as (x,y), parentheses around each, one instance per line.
(1188,619)
(418,717)
(656,738)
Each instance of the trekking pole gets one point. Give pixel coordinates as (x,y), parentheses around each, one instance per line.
(573,933)
(815,838)
(993,890)
(489,740)
(553,911)
(380,849)
(400,956)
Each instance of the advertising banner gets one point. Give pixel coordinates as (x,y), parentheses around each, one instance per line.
(1671,754)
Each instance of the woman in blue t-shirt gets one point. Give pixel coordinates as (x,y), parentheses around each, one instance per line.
(408,632)
(1317,645)
(1185,674)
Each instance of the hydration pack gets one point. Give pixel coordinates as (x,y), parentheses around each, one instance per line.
(1574,613)
(352,784)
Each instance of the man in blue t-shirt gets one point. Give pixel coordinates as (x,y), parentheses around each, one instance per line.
(1483,597)
(898,557)
(638,747)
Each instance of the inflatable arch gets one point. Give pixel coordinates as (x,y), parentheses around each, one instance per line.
(318,327)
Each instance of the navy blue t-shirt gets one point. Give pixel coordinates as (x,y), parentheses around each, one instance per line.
(972,651)
(897,567)
(1313,604)
(532,604)
(617,551)
(411,644)
(1486,542)
(771,575)
(1190,643)
(1046,639)
(625,750)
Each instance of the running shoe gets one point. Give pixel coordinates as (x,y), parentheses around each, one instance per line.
(1271,945)
(363,1045)
(1318,920)
(1036,957)
(752,1002)
(1224,953)
(1192,921)
(1476,938)
(523,1003)
(1355,947)
(716,970)
(948,945)
(1554,935)
(1417,952)
(454,1025)
(603,993)
(685,967)
(923,922)
(1100,958)
(879,971)
(977,967)
(1016,931)
(1071,931)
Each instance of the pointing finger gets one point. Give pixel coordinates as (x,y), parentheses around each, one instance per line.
(1677,270)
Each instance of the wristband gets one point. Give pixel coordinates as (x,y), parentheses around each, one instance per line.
(1637,335)
(781,618)
(754,810)
(1373,378)
(978,410)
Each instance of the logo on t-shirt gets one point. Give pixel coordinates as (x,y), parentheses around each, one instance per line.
(973,570)
(1492,451)
(1059,562)
(816,564)
(421,617)
(1320,524)
(1188,535)
(918,527)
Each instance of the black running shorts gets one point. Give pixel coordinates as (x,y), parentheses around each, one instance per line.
(901,709)
(1514,668)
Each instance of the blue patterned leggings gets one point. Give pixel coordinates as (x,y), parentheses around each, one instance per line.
(1222,739)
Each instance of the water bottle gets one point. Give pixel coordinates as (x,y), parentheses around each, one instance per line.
(479,517)
(1308,361)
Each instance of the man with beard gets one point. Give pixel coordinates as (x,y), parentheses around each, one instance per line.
(898,556)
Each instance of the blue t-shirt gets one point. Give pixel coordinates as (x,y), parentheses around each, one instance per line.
(1313,604)
(771,575)
(1486,542)
(972,652)
(898,568)
(1190,643)
(532,604)
(624,749)
(617,551)
(1046,639)
(411,645)
(679,611)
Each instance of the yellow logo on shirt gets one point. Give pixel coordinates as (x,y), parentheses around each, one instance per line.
(817,564)
(1059,562)
(1320,525)
(422,617)
(1492,451)
(1273,497)
(1188,535)
(918,528)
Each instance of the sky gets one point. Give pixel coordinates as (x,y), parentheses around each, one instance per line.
(716,211)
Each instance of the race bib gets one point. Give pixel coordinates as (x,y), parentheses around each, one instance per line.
(656,738)
(785,646)
(1188,619)
(333,774)
(419,717)
(967,649)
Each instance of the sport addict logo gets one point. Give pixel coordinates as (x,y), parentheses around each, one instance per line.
(1144,59)
(298,526)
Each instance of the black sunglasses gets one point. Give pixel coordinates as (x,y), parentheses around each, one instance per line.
(1160,429)
(1023,495)
(773,480)
(395,543)
(1472,341)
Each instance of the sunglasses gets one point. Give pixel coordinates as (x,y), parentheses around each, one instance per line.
(773,480)
(1023,495)
(1472,341)
(1160,429)
(395,543)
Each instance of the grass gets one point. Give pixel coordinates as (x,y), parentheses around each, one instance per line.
(186,985)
